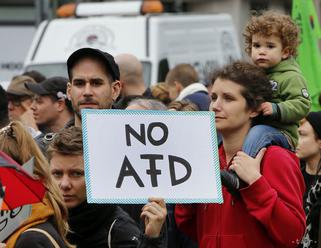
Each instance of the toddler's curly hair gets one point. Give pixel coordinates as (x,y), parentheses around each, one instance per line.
(270,23)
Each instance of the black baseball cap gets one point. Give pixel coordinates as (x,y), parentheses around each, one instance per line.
(56,86)
(108,60)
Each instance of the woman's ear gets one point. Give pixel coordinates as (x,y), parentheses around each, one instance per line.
(255,113)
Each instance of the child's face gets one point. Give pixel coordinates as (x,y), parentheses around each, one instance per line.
(267,51)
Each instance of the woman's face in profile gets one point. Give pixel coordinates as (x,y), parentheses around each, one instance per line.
(308,145)
(229,105)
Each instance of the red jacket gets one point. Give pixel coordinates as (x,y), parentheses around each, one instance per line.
(268,214)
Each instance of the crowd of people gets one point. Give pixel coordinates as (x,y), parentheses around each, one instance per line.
(269,149)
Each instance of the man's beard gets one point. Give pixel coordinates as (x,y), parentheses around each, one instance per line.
(87,100)
(77,109)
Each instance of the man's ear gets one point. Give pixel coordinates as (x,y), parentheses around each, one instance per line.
(115,88)
(61,104)
(68,91)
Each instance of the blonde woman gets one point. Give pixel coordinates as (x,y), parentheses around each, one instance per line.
(47,225)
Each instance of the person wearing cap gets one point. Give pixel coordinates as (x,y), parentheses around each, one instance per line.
(51,108)
(36,75)
(93,80)
(19,97)
(309,151)
(94,84)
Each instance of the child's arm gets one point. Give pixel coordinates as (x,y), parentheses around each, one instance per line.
(267,108)
(295,103)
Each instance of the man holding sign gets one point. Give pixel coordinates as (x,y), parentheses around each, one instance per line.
(98,225)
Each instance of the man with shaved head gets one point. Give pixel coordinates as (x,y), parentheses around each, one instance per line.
(132,80)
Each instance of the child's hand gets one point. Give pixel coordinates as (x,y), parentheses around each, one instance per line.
(266,108)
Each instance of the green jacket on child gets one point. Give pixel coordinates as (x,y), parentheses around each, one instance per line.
(291,100)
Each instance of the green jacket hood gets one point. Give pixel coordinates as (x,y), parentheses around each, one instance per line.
(284,66)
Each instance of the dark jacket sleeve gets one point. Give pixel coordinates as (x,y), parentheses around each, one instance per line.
(37,239)
(34,240)
(126,234)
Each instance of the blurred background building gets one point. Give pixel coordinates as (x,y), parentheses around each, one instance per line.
(19,19)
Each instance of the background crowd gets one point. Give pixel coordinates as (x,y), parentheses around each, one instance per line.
(269,148)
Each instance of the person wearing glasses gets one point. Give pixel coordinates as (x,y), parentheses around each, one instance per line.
(19,97)
(19,103)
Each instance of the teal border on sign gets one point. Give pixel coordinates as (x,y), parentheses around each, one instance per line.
(216,164)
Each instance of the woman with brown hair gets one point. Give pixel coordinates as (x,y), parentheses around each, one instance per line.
(47,225)
(267,212)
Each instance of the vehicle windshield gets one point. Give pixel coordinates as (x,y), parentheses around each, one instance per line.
(60,69)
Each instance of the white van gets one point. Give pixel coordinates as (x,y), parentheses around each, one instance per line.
(14,45)
(160,41)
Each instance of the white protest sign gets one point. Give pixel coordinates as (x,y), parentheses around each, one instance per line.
(131,155)
(11,220)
